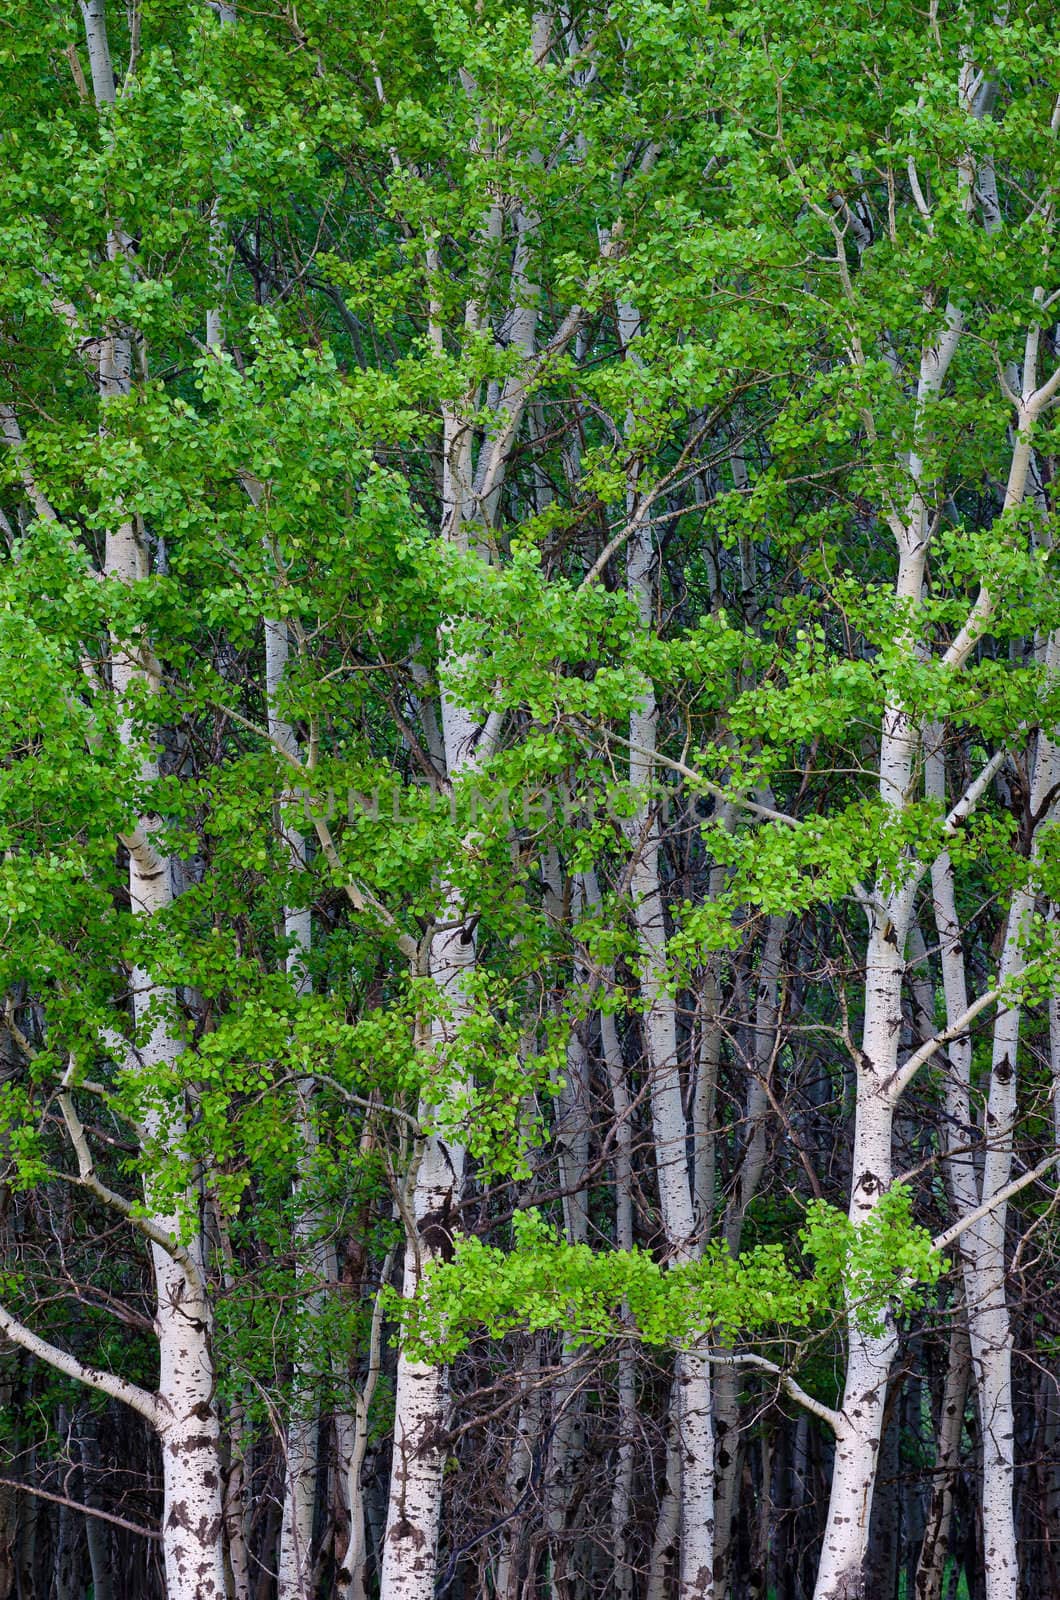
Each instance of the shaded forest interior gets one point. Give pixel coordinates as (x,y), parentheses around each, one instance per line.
(529,778)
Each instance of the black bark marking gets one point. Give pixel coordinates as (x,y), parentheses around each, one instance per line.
(178,1515)
(436,1231)
(404,1529)
(850,1584)
(194,1441)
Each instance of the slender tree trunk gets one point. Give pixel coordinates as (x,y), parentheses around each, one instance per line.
(571,1134)
(727,1380)
(26,1546)
(471,496)
(69,1525)
(882,1559)
(841,1575)
(936,1542)
(352,1438)
(870,1348)
(187,1418)
(517,1479)
(625,1456)
(692,1392)
(982,1245)
(302,1443)
(422,1391)
(664,1550)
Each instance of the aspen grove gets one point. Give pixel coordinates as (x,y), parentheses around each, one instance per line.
(529,799)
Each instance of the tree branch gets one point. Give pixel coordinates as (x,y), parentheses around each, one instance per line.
(70,1366)
(79,1505)
(834,1419)
(909,1068)
(943,1240)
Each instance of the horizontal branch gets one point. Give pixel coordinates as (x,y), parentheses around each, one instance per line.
(71,1366)
(79,1505)
(943,1240)
(348,1095)
(794,1390)
(716,790)
(974,793)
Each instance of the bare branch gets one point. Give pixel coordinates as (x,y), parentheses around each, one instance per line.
(943,1240)
(70,1366)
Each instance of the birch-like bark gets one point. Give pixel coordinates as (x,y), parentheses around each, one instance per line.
(353,1435)
(471,494)
(842,1572)
(664,1549)
(934,1548)
(236,1445)
(186,1411)
(726,1379)
(841,1575)
(982,1247)
(421,1398)
(294,1570)
(692,1394)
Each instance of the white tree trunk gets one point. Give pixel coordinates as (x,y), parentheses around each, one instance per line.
(295,1560)
(692,1391)
(668,1523)
(186,1414)
(842,1574)
(507,1583)
(726,1380)
(187,1418)
(422,1392)
(622,1486)
(982,1245)
(471,493)
(935,1546)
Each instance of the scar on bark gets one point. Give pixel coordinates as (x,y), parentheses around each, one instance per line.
(850,1584)
(178,1515)
(431,1440)
(436,1231)
(192,1441)
(404,1529)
